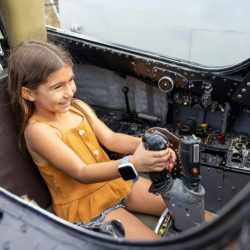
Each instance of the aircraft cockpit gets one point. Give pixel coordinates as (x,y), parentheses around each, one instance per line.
(203,112)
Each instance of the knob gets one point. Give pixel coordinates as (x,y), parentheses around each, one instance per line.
(166,84)
(125,90)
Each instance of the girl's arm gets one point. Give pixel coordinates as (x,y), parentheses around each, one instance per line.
(116,142)
(45,145)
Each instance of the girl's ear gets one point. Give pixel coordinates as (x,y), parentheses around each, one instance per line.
(27,94)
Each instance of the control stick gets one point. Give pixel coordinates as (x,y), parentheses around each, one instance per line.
(160,180)
(183,196)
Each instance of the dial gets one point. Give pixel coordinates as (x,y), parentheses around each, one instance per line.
(166,84)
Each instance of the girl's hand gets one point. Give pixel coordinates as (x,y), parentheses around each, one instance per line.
(171,161)
(152,161)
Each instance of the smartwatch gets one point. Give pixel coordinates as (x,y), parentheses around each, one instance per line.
(127,170)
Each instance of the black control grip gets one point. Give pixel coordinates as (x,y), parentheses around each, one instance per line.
(157,141)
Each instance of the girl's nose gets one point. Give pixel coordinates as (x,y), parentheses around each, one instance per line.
(69,91)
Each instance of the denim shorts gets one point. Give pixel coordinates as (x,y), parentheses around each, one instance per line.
(100,217)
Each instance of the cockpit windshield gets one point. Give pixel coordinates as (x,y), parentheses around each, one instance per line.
(208,32)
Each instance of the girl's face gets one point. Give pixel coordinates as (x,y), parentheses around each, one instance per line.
(54,96)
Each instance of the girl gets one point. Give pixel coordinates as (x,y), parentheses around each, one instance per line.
(63,136)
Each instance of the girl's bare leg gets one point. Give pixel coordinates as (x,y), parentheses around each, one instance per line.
(140,200)
(134,228)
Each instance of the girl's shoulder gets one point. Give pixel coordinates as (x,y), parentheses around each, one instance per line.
(39,128)
(40,138)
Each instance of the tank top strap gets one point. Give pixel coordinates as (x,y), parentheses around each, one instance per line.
(51,124)
(79,112)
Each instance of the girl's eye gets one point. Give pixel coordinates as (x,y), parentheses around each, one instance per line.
(57,86)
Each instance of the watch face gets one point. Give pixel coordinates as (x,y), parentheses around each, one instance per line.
(127,171)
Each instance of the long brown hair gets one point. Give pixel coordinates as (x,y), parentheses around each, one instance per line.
(29,65)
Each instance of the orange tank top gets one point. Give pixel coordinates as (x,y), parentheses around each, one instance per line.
(75,201)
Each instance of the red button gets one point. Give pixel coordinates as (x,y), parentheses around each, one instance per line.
(221,138)
(195,171)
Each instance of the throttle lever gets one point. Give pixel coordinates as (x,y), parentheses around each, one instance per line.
(125,91)
(190,156)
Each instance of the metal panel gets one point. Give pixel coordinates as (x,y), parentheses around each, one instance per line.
(212,181)
(233,182)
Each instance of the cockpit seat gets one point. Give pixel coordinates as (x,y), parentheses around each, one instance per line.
(18,175)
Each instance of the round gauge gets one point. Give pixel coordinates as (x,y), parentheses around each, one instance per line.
(166,84)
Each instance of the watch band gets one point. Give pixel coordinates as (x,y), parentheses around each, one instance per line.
(125,159)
